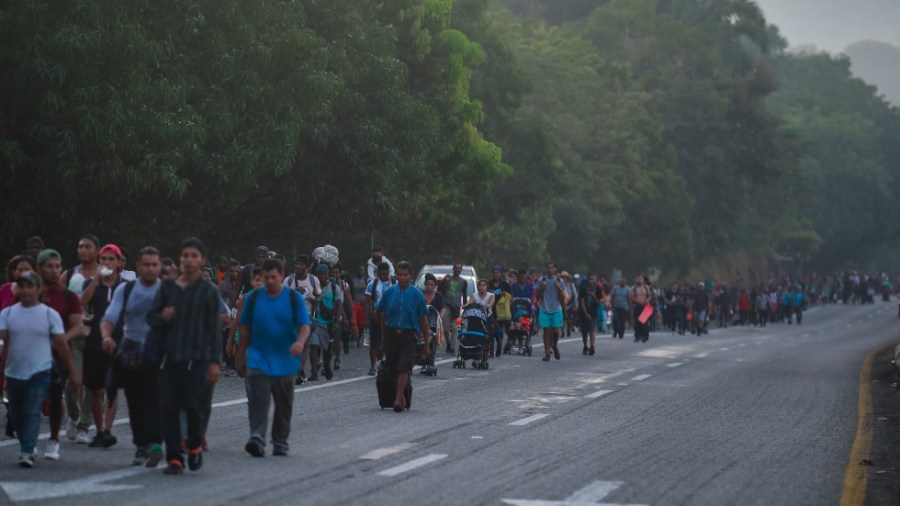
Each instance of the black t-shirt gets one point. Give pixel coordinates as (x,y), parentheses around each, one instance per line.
(97,306)
(438,301)
(591,302)
(701,301)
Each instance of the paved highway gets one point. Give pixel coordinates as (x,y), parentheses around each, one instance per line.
(741,416)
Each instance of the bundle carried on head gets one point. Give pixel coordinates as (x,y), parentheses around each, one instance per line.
(327,254)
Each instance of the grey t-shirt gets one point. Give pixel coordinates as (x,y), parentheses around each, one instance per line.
(550,302)
(30,330)
(621,295)
(140,301)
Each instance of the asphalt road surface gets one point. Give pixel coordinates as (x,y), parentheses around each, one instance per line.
(740,416)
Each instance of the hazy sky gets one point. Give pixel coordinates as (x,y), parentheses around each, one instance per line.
(834,24)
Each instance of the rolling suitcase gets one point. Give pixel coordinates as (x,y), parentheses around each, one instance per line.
(387,388)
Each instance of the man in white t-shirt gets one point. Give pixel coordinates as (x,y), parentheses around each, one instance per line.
(301,281)
(31,329)
(310,288)
(374,290)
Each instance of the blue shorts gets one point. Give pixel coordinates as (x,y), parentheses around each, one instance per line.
(550,320)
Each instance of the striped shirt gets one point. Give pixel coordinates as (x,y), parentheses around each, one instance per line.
(196,331)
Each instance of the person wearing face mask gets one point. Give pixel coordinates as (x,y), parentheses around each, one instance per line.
(96,298)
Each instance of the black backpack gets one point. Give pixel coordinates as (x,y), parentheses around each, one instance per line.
(251,303)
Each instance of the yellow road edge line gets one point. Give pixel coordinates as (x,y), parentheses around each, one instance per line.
(856,478)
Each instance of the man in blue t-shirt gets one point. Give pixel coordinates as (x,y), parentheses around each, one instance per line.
(274,331)
(402,308)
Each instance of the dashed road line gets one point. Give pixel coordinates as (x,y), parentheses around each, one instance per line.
(532,418)
(724,349)
(384,452)
(642,377)
(598,394)
(675,364)
(702,355)
(413,464)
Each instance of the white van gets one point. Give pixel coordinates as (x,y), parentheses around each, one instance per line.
(468,273)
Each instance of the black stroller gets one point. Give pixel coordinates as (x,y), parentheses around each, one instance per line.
(428,367)
(519,327)
(473,337)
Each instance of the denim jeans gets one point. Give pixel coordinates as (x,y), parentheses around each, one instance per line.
(25,400)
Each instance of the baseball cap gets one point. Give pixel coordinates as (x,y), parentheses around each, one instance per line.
(31,277)
(48,254)
(321,268)
(111,248)
(497,268)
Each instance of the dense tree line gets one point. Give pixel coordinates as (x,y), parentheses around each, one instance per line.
(620,133)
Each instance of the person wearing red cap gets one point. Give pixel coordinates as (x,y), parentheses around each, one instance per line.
(96,298)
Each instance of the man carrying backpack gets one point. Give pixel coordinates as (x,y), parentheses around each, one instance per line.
(242,285)
(274,331)
(130,304)
(330,309)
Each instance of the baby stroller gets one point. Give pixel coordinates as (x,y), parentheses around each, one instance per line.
(434,322)
(519,327)
(473,337)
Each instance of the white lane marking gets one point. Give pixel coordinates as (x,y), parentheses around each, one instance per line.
(561,341)
(532,418)
(622,384)
(724,349)
(595,492)
(591,495)
(676,364)
(384,452)
(742,345)
(477,437)
(598,394)
(702,355)
(642,377)
(805,335)
(34,490)
(413,464)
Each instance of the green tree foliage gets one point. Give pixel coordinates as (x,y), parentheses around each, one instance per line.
(603,133)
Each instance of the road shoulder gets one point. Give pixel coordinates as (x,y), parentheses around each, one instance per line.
(884,474)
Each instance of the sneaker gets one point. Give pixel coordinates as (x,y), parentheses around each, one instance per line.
(328,374)
(195,459)
(71,430)
(140,457)
(175,467)
(279,451)
(82,437)
(51,451)
(301,379)
(337,364)
(555,352)
(26,460)
(103,440)
(255,447)
(154,455)
(372,371)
